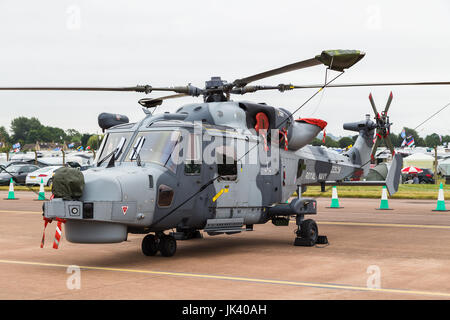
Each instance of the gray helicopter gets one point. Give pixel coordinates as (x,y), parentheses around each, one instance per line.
(220,166)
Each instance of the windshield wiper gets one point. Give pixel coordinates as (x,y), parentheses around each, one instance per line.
(116,152)
(136,155)
(170,155)
(106,157)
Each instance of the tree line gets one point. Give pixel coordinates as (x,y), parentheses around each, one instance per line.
(30,130)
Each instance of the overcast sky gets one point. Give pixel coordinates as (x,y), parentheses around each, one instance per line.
(124,43)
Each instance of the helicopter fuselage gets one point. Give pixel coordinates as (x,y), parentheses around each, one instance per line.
(203,167)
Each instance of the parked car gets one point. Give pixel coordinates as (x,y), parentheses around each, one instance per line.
(18,172)
(45,173)
(426,176)
(13,162)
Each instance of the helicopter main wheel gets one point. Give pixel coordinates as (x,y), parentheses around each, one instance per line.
(309,233)
(167,245)
(309,230)
(149,245)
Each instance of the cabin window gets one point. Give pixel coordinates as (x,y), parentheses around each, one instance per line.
(226,162)
(192,169)
(300,167)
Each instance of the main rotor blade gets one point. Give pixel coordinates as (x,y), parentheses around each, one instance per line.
(375,84)
(153,102)
(135,89)
(290,67)
(337,60)
(286,87)
(139,88)
(388,104)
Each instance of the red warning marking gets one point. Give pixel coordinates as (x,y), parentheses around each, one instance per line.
(124,209)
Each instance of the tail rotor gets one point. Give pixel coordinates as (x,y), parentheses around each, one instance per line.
(383,127)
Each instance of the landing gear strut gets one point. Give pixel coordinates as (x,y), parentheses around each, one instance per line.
(186,234)
(166,244)
(307,230)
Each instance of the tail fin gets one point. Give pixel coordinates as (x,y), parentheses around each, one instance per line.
(360,153)
(393,176)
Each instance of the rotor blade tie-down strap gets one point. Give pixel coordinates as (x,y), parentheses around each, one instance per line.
(284,135)
(262,125)
(58,233)
(46,221)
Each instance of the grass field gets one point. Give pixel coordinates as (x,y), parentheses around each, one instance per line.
(405,191)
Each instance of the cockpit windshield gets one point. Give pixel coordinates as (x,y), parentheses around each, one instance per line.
(157,147)
(112,141)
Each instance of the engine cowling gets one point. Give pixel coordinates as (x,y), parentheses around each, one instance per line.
(303,131)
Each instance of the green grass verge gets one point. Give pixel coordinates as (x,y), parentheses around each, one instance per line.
(405,191)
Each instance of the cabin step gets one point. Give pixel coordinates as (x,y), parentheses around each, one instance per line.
(228,226)
(232,223)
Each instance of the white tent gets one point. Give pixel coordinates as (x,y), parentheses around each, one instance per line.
(419,160)
(444,167)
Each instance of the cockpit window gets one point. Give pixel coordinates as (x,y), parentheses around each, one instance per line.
(112,141)
(157,147)
(192,165)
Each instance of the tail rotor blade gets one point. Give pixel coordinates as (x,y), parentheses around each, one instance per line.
(375,147)
(388,104)
(373,106)
(389,144)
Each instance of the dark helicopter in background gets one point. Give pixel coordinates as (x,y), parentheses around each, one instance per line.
(220,166)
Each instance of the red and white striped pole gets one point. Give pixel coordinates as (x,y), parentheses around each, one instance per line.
(45,226)
(58,233)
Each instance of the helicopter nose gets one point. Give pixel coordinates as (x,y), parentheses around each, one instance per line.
(102,187)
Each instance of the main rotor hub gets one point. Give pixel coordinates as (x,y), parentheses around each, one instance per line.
(215,83)
(214,90)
